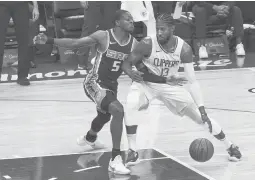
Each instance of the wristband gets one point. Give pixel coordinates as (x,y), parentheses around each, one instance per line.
(202,110)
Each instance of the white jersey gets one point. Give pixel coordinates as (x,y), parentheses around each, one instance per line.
(163,63)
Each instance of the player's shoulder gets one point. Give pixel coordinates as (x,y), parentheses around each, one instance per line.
(100,34)
(186,48)
(147,40)
(144,46)
(146,43)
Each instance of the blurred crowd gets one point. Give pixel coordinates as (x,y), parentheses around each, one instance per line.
(28,16)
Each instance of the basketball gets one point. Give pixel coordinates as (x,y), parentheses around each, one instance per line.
(201,150)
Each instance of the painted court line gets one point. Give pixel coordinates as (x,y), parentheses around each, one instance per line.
(184,164)
(15,156)
(93,167)
(57,154)
(53,178)
(85,169)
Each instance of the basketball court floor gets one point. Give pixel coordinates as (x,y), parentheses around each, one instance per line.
(40,124)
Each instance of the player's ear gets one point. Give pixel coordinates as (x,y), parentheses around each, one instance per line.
(117,23)
(173,28)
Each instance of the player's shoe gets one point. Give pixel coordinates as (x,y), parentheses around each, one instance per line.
(234,153)
(81,141)
(117,167)
(132,158)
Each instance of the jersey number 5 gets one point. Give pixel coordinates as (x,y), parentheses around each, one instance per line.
(165,72)
(116,65)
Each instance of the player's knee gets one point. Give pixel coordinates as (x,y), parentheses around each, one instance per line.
(104,117)
(117,109)
(192,112)
(101,119)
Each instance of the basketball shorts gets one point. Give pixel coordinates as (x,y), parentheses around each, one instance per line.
(175,98)
(100,95)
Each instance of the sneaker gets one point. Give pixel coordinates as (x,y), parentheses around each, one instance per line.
(81,67)
(240,50)
(113,176)
(132,158)
(117,167)
(23,81)
(81,141)
(234,153)
(203,52)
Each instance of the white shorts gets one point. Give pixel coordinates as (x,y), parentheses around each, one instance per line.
(175,98)
(139,111)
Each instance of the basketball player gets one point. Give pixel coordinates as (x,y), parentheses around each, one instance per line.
(162,54)
(100,85)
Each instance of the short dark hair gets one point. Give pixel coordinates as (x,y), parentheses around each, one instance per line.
(119,14)
(166,18)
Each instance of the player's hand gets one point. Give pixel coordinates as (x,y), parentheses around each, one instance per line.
(136,76)
(176,81)
(40,39)
(205,118)
(35,14)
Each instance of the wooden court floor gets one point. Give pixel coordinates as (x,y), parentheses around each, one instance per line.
(47,117)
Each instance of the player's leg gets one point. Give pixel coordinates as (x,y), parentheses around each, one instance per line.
(91,137)
(180,102)
(98,122)
(131,124)
(108,106)
(136,103)
(115,108)
(192,112)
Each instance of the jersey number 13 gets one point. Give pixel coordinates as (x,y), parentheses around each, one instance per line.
(164,72)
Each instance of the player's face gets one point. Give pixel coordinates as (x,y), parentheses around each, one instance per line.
(126,22)
(164,32)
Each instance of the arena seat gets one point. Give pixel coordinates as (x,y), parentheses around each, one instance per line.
(216,32)
(69,18)
(247,8)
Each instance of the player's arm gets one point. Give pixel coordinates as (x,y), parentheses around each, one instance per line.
(141,50)
(95,38)
(194,88)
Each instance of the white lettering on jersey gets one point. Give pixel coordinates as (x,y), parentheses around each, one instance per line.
(163,63)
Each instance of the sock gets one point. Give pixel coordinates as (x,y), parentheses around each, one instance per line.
(227,142)
(91,137)
(132,141)
(115,152)
(131,136)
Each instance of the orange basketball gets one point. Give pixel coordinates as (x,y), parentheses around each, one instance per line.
(201,150)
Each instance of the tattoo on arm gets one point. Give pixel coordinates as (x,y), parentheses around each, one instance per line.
(186,53)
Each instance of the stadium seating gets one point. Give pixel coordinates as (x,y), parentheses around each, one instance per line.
(69,18)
